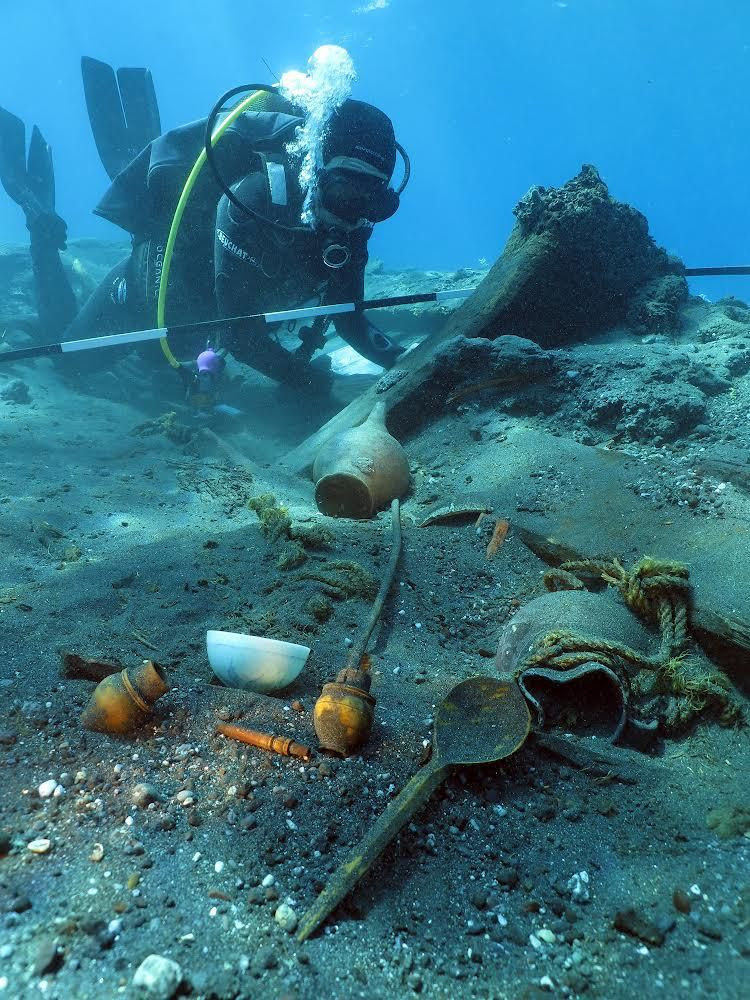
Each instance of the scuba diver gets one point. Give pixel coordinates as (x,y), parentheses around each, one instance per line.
(238,245)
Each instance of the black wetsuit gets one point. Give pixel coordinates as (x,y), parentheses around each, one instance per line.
(226,262)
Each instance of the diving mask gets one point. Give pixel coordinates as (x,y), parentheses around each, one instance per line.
(353,195)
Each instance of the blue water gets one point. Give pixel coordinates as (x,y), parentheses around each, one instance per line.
(489,98)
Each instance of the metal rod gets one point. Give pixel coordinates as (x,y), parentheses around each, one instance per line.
(697,272)
(358,649)
(185,329)
(227,322)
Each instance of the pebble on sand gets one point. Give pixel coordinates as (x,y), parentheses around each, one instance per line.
(47,788)
(286,918)
(39,846)
(160,977)
(143,795)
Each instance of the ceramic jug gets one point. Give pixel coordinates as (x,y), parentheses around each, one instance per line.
(361,470)
(122,702)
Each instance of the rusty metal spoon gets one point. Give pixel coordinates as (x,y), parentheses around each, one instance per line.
(481,720)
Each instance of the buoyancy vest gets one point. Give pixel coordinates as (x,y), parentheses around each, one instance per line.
(142,197)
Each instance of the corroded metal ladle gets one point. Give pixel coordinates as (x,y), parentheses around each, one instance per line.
(481,721)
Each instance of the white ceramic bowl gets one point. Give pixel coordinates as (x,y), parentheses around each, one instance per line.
(252,662)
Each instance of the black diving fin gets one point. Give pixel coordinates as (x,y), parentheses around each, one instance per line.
(30,183)
(123,111)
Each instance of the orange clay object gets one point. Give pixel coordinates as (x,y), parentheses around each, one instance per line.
(277,744)
(498,537)
(123,702)
(344,712)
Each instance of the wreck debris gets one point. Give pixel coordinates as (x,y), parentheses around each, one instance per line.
(344,712)
(480,721)
(85,668)
(451,514)
(490,383)
(361,470)
(573,637)
(254,662)
(276,744)
(498,537)
(122,702)
(710,618)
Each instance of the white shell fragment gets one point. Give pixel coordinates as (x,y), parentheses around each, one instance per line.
(39,846)
(286,918)
(578,885)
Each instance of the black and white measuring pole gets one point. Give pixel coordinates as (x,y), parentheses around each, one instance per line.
(713,272)
(186,329)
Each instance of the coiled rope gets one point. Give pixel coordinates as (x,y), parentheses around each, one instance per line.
(657,590)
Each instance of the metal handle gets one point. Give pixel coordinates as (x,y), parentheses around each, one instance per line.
(397,813)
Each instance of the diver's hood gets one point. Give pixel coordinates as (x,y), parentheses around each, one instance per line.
(142,197)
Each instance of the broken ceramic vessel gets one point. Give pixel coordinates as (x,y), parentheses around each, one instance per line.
(589,699)
(123,701)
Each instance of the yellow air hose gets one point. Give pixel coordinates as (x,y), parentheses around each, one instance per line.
(177,218)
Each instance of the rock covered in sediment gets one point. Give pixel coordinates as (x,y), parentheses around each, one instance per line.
(663,413)
(462,364)
(158,977)
(15,391)
(575,264)
(656,307)
(49,957)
